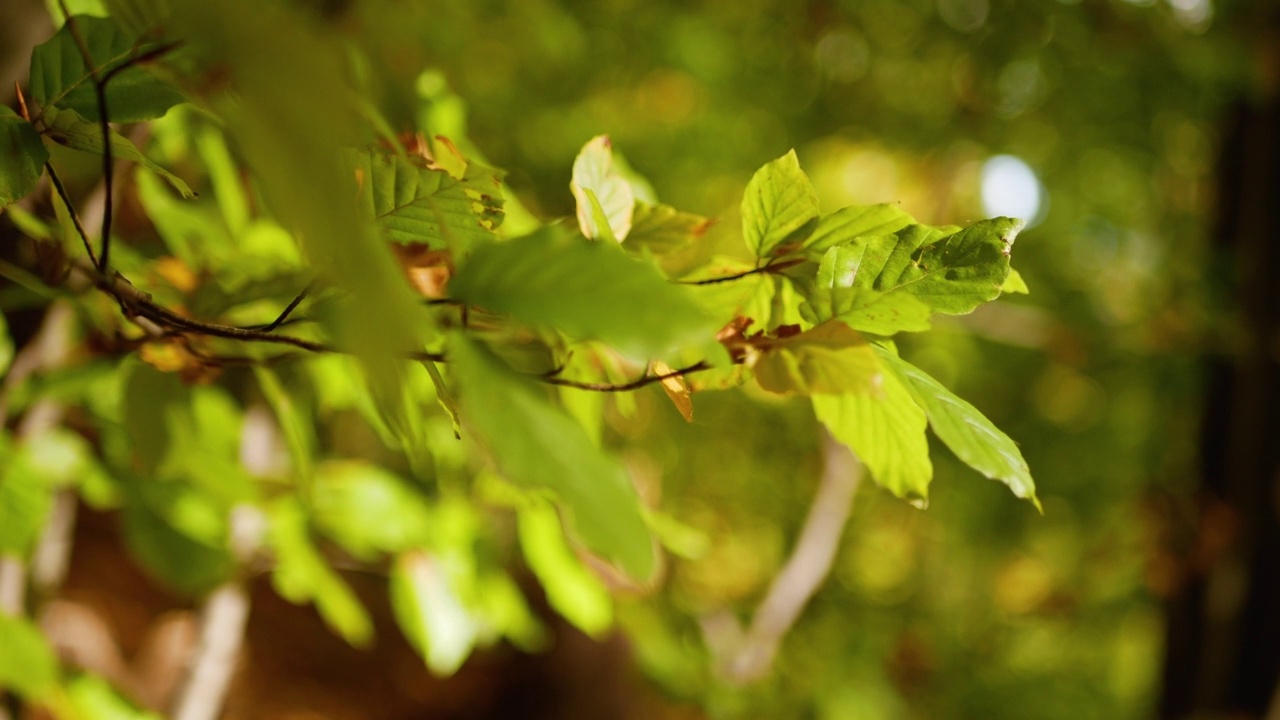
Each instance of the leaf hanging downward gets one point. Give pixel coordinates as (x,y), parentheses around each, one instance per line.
(67,127)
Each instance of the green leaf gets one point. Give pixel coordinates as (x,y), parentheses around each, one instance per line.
(969,434)
(848,224)
(830,359)
(591,291)
(430,613)
(1015,284)
(416,204)
(661,229)
(886,431)
(864,309)
(868,311)
(151,398)
(594,174)
(60,79)
(24,156)
(779,203)
(572,590)
(301,575)
(66,127)
(952,273)
(367,510)
(28,665)
(535,444)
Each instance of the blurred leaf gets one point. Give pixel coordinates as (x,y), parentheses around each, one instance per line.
(885,429)
(68,128)
(177,534)
(150,399)
(95,699)
(25,499)
(28,666)
(24,155)
(779,203)
(969,434)
(139,17)
(535,444)
(60,79)
(847,224)
(302,575)
(591,291)
(367,510)
(430,613)
(291,127)
(594,172)
(830,359)
(416,204)
(295,421)
(572,590)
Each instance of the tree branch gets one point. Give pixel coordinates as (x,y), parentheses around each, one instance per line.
(749,657)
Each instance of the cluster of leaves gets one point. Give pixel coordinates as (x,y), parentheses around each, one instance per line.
(479,356)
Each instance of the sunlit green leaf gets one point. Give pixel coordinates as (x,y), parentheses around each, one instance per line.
(535,444)
(850,223)
(779,203)
(593,171)
(572,590)
(661,229)
(885,429)
(417,204)
(66,127)
(591,291)
(28,666)
(430,613)
(60,78)
(24,156)
(830,359)
(302,575)
(969,434)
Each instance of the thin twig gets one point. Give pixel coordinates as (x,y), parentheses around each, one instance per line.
(71,210)
(104,125)
(639,382)
(283,315)
(772,267)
